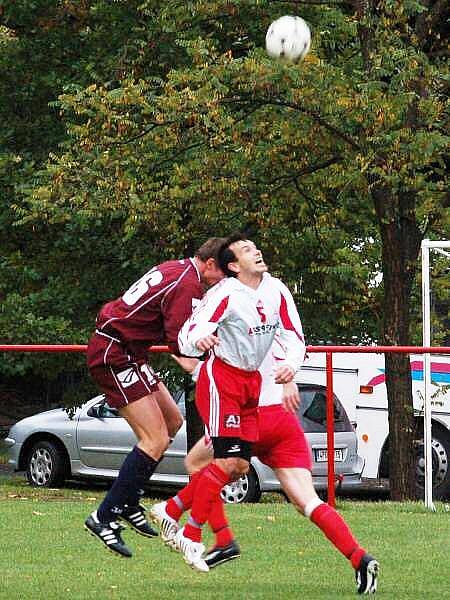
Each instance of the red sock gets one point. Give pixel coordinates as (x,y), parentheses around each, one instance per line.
(218,522)
(209,485)
(182,502)
(338,532)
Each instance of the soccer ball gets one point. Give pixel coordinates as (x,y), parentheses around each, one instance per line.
(288,38)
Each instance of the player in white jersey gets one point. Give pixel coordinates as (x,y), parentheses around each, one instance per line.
(252,315)
(236,322)
(283,447)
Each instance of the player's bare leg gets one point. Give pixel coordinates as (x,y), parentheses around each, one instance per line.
(298,486)
(169,409)
(147,421)
(199,456)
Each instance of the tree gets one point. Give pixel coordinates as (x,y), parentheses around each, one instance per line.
(336,166)
(407,188)
(49,290)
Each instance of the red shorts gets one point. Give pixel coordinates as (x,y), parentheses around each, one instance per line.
(227,400)
(121,378)
(282,443)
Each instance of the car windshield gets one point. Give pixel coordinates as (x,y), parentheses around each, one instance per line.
(313,411)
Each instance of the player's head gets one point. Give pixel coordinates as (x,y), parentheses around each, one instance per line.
(239,257)
(208,260)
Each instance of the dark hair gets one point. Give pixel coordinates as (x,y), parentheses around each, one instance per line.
(226,255)
(210,249)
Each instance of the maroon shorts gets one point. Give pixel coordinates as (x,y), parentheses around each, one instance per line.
(281,443)
(227,400)
(121,378)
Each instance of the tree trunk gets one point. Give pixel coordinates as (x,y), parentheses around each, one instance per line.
(400,238)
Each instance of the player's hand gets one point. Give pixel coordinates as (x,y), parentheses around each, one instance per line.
(208,342)
(186,363)
(284,374)
(291,397)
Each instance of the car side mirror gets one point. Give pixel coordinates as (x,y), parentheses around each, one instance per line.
(96,410)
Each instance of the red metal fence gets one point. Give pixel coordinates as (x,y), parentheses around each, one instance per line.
(327,350)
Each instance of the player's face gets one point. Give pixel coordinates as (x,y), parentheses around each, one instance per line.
(212,274)
(249,259)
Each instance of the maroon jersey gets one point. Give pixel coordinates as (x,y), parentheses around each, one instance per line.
(154,308)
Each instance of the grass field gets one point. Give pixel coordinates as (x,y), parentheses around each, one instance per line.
(3,452)
(45,553)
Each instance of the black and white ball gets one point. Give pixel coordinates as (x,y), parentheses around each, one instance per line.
(288,38)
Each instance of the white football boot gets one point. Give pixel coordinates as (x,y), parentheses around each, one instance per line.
(168,527)
(192,552)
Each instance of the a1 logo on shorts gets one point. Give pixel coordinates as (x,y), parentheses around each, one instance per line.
(232,421)
(128,377)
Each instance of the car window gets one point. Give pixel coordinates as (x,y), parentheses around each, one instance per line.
(102,410)
(313,411)
(106,412)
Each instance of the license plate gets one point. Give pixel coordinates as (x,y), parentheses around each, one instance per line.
(322,454)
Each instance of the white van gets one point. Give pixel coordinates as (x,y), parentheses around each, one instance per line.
(359,382)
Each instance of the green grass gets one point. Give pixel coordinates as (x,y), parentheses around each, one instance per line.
(3,452)
(50,556)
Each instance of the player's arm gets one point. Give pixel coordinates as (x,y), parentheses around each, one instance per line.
(198,334)
(291,334)
(190,365)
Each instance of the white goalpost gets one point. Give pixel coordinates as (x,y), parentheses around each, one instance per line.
(439,247)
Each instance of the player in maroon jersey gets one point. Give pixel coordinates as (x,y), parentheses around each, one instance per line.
(151,311)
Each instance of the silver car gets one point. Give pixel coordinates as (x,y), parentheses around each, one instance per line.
(53,446)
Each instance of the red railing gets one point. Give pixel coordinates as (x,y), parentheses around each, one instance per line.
(327,350)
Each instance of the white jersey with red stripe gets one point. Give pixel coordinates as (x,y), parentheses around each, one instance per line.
(246,320)
(271,392)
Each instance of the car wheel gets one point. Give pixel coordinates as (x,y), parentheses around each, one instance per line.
(245,489)
(440,457)
(46,465)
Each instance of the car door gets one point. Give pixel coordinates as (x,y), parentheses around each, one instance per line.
(104,438)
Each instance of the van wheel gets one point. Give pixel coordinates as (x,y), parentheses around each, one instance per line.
(245,489)
(46,465)
(440,456)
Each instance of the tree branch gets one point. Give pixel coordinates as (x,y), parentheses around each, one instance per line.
(311,113)
(317,117)
(140,135)
(293,177)
(322,2)
(175,155)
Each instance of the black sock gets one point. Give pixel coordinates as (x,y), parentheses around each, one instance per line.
(136,470)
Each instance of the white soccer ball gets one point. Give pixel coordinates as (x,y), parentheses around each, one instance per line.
(288,38)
